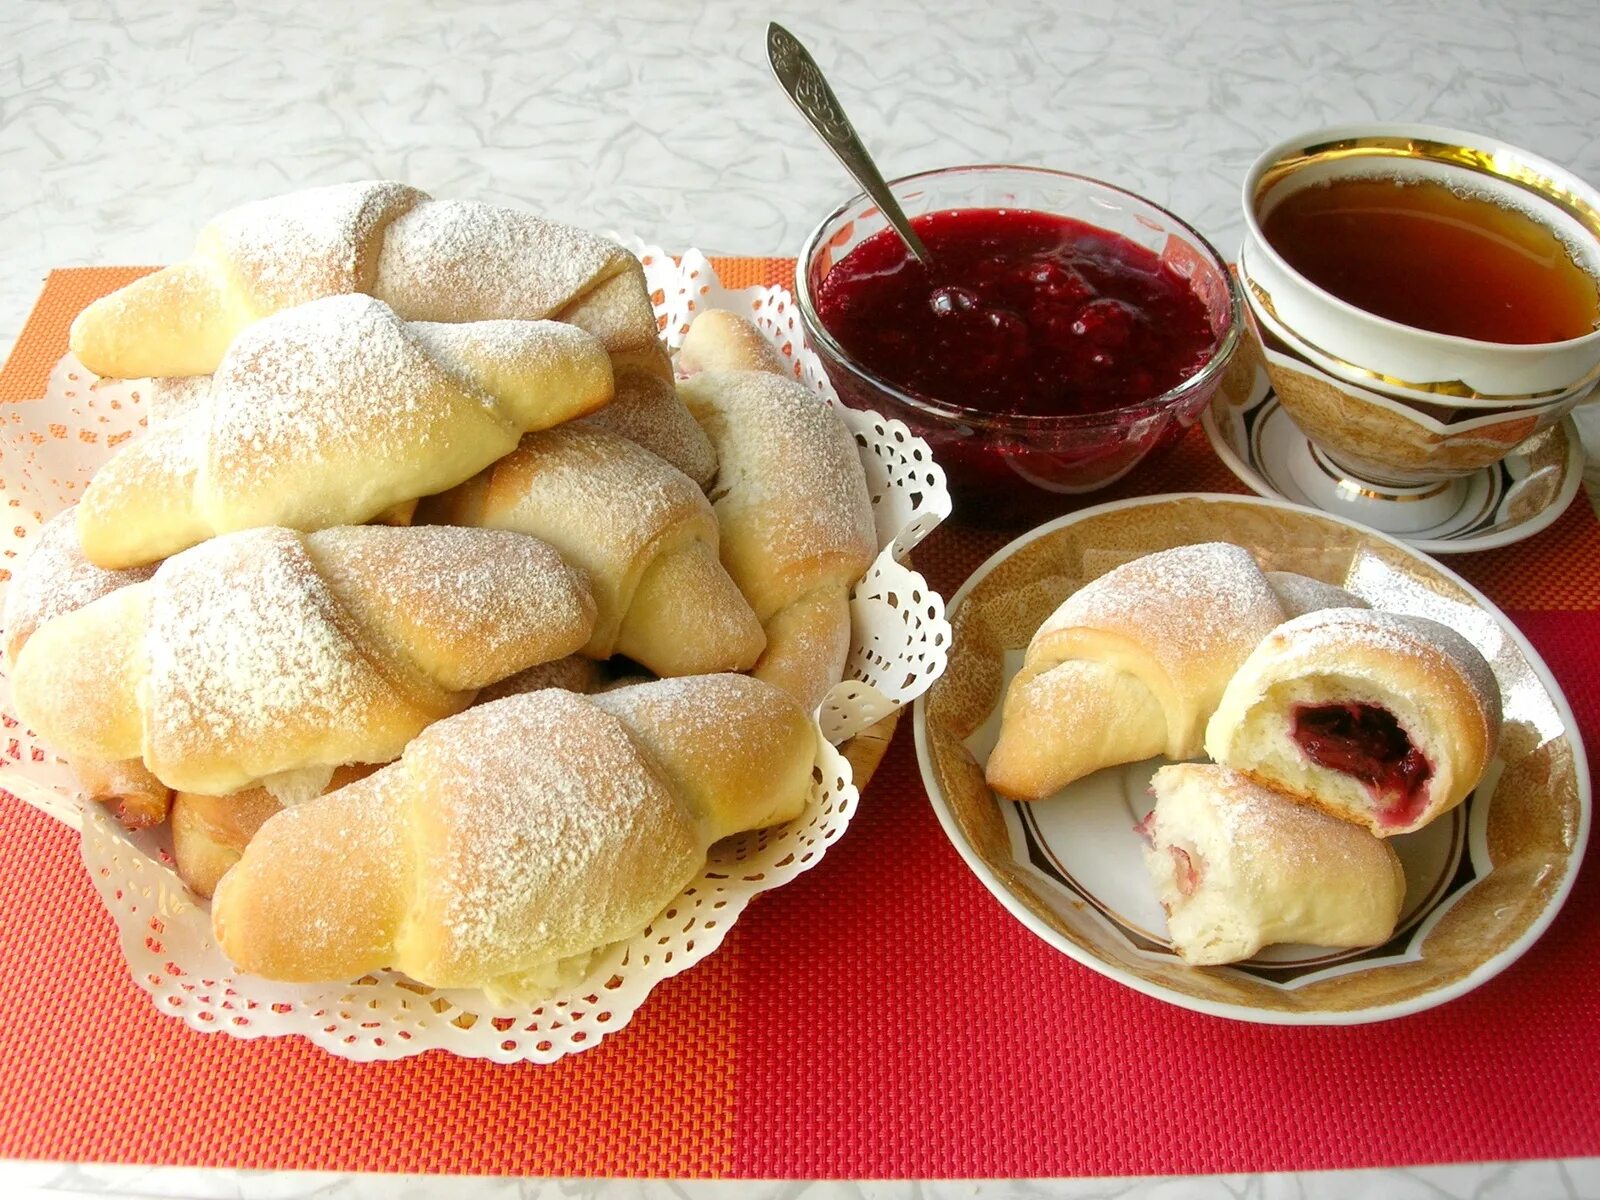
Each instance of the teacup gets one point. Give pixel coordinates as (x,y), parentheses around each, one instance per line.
(1397,412)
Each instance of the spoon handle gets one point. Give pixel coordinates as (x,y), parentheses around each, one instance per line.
(802,80)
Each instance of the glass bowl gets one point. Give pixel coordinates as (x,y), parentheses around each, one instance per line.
(1010,469)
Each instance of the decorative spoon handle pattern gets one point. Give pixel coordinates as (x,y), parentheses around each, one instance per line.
(802,80)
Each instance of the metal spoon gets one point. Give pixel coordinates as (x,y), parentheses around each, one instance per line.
(802,80)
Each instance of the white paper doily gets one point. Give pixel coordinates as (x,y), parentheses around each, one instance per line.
(899,646)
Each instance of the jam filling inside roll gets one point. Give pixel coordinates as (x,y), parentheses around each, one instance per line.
(1187,866)
(1366,741)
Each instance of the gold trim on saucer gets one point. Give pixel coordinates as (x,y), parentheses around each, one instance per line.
(1529,816)
(1455,388)
(1365,489)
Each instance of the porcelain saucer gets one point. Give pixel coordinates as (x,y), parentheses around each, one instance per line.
(1483,881)
(1495,506)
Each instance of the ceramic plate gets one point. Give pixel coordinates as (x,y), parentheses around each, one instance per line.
(1513,500)
(1482,882)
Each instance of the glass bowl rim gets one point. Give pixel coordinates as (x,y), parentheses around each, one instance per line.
(1222,354)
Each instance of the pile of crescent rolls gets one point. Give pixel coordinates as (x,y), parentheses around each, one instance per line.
(445,621)
(1332,728)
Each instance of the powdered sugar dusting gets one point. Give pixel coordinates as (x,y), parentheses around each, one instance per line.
(574,673)
(790,493)
(712,709)
(511,350)
(244,641)
(306,244)
(1265,822)
(605,503)
(465,606)
(171,398)
(1300,594)
(1188,604)
(459,260)
(550,833)
(731,743)
(158,473)
(55,579)
(646,410)
(298,389)
(1334,631)
(610,487)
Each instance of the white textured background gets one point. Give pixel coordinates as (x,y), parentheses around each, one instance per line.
(123,127)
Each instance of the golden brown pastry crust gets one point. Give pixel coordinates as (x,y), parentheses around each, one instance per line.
(430,260)
(641,531)
(127,787)
(647,411)
(791,496)
(268,651)
(331,413)
(209,833)
(723,341)
(516,835)
(54,579)
(1131,666)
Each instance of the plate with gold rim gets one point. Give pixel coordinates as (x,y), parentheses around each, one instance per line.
(1483,881)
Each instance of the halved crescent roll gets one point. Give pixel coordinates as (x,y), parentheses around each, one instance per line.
(1239,866)
(1380,718)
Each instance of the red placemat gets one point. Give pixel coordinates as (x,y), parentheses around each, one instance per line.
(882,1016)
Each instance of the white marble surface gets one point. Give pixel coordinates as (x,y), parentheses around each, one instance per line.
(123,126)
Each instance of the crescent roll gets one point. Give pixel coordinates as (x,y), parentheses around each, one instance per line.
(647,411)
(270,651)
(792,500)
(53,580)
(1239,867)
(209,833)
(640,530)
(330,413)
(1131,666)
(1380,718)
(511,842)
(718,340)
(429,260)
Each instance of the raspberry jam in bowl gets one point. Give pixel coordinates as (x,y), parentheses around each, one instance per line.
(1063,330)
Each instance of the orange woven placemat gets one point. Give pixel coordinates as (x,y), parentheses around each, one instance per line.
(882,1016)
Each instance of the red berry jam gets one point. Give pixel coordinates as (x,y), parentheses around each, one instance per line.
(1366,741)
(1020,312)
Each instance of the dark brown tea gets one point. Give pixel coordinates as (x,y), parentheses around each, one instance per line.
(1423,255)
